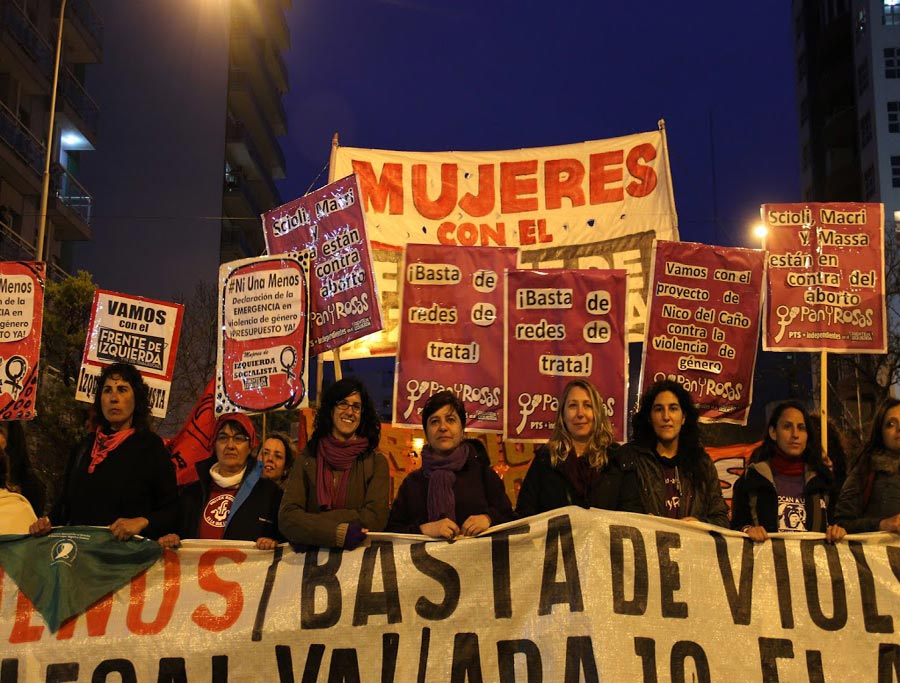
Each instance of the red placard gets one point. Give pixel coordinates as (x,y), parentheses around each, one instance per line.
(451,332)
(825,284)
(263,326)
(703,324)
(21,315)
(330,222)
(563,325)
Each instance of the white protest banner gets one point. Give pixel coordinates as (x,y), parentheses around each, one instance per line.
(330,223)
(262,355)
(569,595)
(21,319)
(131,329)
(597,204)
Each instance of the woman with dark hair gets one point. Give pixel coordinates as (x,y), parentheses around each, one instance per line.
(580,464)
(677,477)
(121,475)
(455,493)
(338,489)
(277,457)
(22,477)
(16,514)
(230,499)
(786,487)
(870,498)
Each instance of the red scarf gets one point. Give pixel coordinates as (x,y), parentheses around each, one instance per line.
(785,465)
(333,456)
(104,444)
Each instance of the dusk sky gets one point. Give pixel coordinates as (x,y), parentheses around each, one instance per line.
(464,75)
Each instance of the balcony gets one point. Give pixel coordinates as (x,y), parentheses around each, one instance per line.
(14,248)
(24,166)
(16,25)
(84,31)
(71,206)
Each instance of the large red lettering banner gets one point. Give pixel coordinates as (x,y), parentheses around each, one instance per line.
(703,325)
(596,204)
(825,278)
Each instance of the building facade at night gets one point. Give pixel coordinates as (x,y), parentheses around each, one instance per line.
(28,37)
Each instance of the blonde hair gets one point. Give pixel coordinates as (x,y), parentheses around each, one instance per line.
(601,437)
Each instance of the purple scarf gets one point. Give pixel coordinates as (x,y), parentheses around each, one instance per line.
(440,471)
(333,456)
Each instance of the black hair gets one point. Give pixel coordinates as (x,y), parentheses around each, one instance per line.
(812,454)
(369,424)
(126,372)
(437,401)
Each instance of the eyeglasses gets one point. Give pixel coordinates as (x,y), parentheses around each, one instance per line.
(343,406)
(238,439)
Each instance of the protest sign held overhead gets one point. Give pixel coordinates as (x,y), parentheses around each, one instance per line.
(568,595)
(563,325)
(452,332)
(263,330)
(135,330)
(825,282)
(703,325)
(21,318)
(330,223)
(596,204)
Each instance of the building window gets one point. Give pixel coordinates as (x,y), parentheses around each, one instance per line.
(798,27)
(862,76)
(860,24)
(891,15)
(893,117)
(865,129)
(892,62)
(804,156)
(804,111)
(895,171)
(869,181)
(801,67)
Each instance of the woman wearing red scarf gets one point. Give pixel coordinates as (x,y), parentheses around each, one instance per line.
(786,486)
(121,475)
(338,488)
(455,493)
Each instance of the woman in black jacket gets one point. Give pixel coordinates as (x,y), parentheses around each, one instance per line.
(121,475)
(580,464)
(230,499)
(786,487)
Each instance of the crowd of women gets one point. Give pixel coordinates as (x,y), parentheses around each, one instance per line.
(336,490)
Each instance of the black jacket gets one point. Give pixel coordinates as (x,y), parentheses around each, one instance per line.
(253,514)
(137,479)
(755,500)
(547,488)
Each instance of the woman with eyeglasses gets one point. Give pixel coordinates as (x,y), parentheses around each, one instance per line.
(230,499)
(338,488)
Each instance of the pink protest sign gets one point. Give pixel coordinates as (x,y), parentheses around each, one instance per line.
(703,325)
(331,224)
(451,331)
(563,325)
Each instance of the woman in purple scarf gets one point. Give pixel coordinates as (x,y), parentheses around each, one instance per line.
(338,487)
(455,493)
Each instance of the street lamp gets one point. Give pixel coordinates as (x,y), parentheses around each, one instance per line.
(759,232)
(45,189)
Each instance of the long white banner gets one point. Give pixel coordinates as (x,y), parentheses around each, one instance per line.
(575,595)
(597,204)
